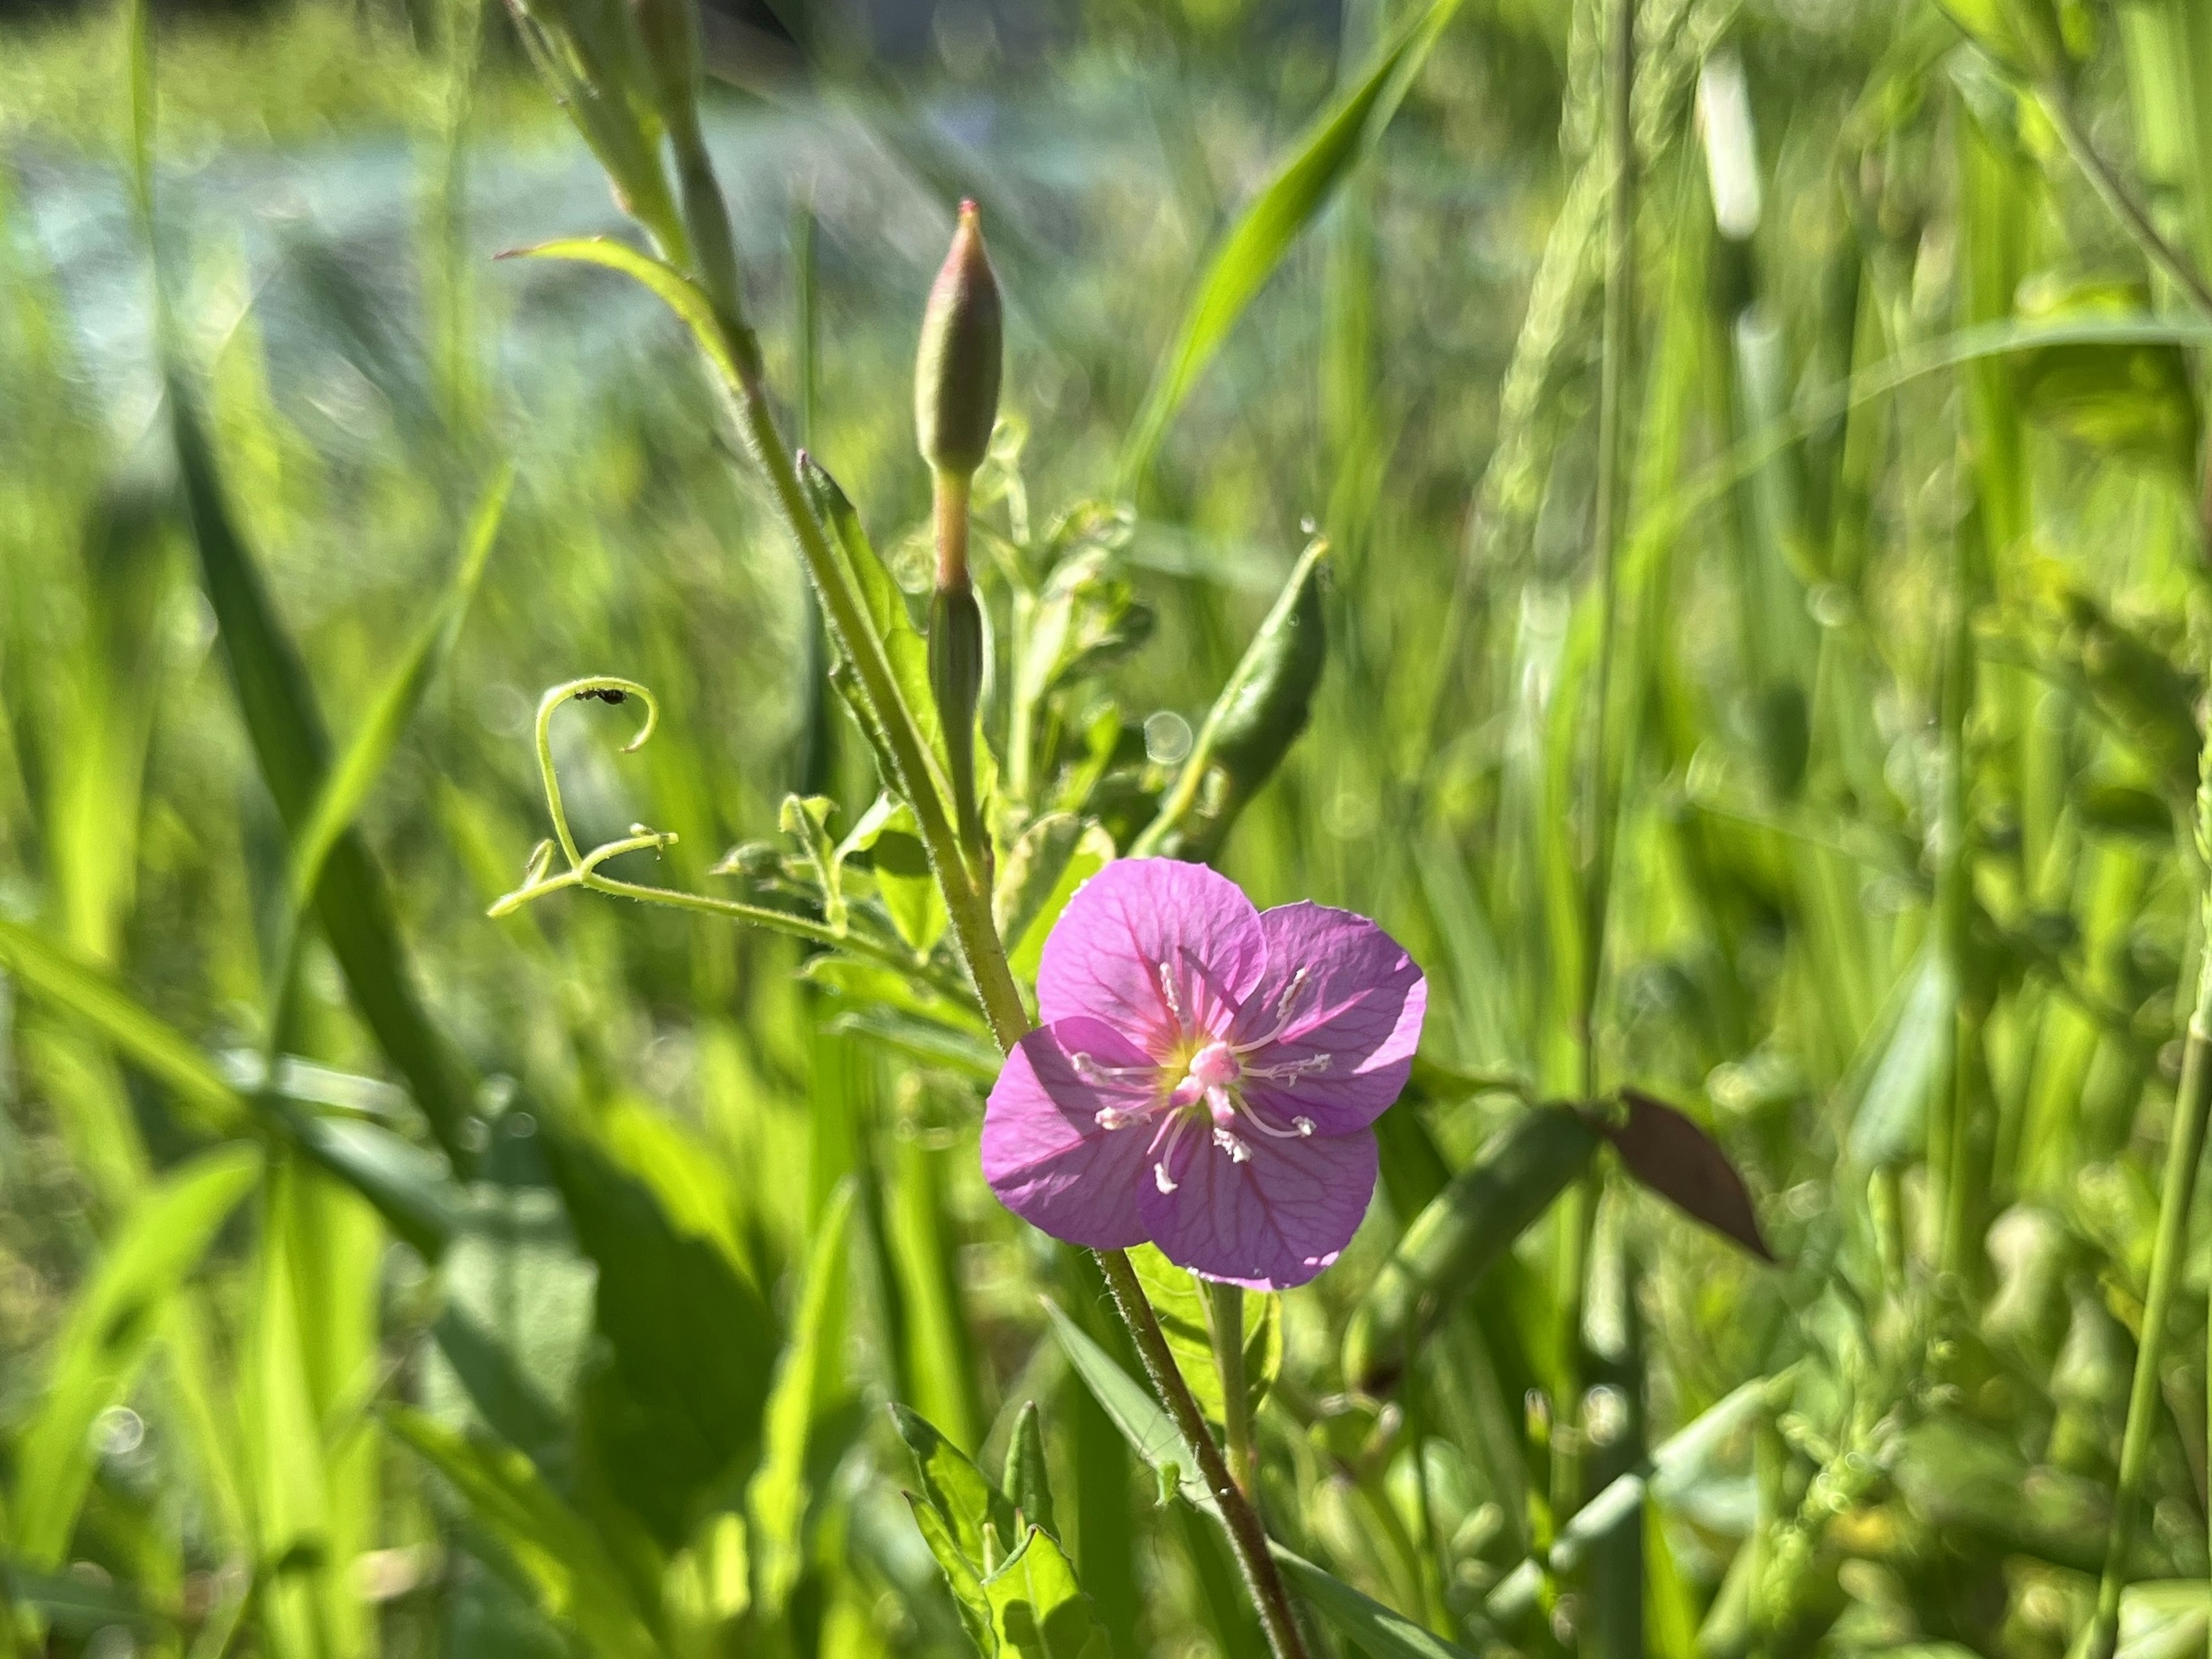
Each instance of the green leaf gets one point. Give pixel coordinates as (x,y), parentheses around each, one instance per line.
(1025,1481)
(551,1551)
(1898,1065)
(1150,1432)
(676,1411)
(1037,1609)
(1488,1205)
(690,302)
(809,1383)
(887,832)
(1052,857)
(966,1584)
(90,994)
(345,788)
(805,819)
(108,1335)
(277,702)
(978,1515)
(904,648)
(1181,1306)
(1264,231)
(73,1604)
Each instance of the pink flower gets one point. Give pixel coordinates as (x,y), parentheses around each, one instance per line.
(1206,1075)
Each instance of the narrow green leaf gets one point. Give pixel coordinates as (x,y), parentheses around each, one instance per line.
(1025,1481)
(1488,1205)
(690,302)
(1180,1305)
(880,597)
(1290,200)
(966,1581)
(91,994)
(979,1515)
(109,1335)
(808,1380)
(277,701)
(345,787)
(553,1554)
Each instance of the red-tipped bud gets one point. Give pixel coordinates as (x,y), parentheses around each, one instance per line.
(955,377)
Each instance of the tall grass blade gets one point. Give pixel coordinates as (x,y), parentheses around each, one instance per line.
(1255,245)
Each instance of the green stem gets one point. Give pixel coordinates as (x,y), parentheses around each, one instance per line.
(1954,911)
(1595,849)
(2193,1102)
(1246,1535)
(968,901)
(2113,191)
(1225,1312)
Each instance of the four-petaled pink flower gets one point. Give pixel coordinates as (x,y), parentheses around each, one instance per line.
(1205,1076)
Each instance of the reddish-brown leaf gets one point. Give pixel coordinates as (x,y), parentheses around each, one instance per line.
(1670,1154)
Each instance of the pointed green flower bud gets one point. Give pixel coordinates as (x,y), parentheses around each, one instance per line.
(955,376)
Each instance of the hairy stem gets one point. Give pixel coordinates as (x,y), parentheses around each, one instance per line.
(1246,1535)
(965,886)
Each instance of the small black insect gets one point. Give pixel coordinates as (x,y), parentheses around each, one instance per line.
(603,692)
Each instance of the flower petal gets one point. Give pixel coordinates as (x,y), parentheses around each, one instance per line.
(1345,1051)
(1044,1153)
(1267,1223)
(1104,955)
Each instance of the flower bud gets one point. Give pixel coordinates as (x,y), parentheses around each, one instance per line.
(955,376)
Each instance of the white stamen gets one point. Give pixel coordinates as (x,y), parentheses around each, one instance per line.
(1161,1178)
(1168,991)
(1289,1071)
(1238,1151)
(1284,1004)
(1089,1071)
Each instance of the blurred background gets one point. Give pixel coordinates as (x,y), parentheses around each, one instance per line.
(507,1339)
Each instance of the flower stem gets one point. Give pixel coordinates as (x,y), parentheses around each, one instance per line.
(968,902)
(1225,1312)
(1246,1535)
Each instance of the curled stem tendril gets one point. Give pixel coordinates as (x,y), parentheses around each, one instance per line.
(583,869)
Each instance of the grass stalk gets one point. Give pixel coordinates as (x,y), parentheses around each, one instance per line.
(1594,850)
(2192,1103)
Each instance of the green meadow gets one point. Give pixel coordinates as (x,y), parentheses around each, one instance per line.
(1692,514)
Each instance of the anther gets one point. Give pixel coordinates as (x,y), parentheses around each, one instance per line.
(1238,1151)
(1161,1178)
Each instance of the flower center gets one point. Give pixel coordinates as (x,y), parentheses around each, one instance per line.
(1215,1067)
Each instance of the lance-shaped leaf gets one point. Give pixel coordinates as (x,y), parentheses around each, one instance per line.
(1488,1205)
(979,1515)
(108,1336)
(1181,1306)
(809,1379)
(1668,1152)
(1025,1481)
(277,699)
(1248,256)
(544,1546)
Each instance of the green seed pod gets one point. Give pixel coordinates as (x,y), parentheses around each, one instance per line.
(1257,717)
(955,376)
(955,680)
(1488,1205)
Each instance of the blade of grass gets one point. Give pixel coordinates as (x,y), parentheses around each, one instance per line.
(1248,256)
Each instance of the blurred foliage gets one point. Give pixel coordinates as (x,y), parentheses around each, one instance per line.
(375,1277)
